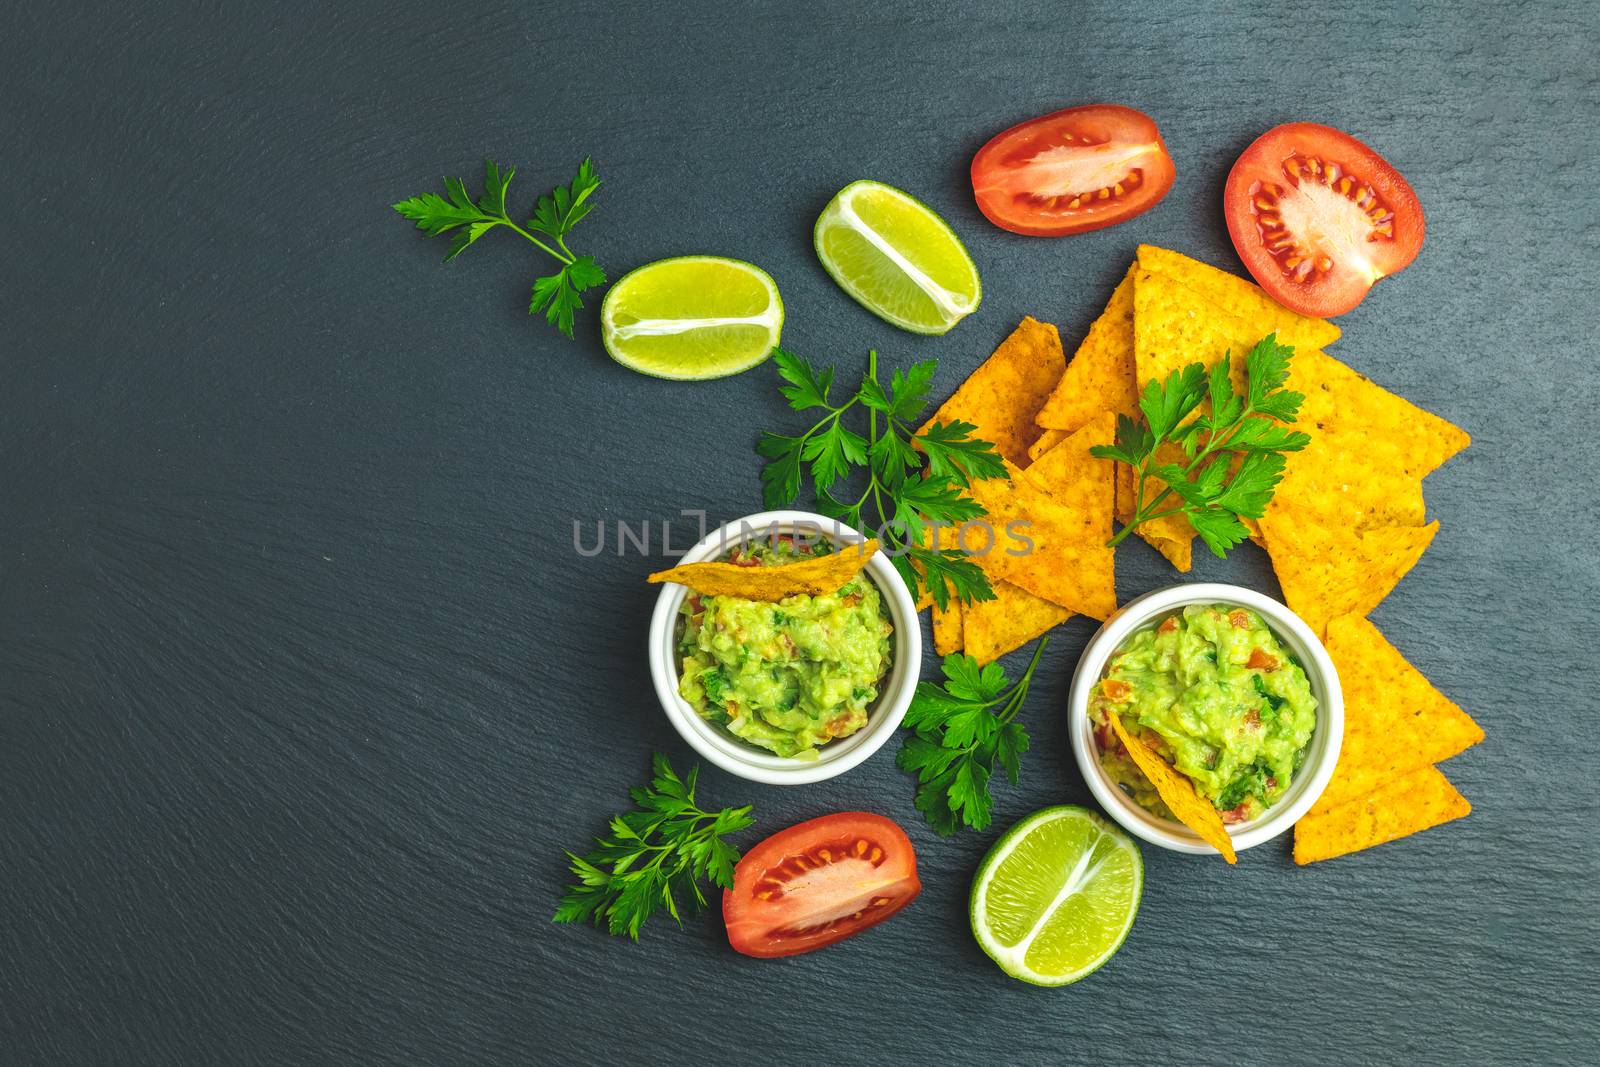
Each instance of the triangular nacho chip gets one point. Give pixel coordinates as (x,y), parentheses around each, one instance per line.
(1072,476)
(1369,451)
(1050,549)
(947,628)
(1240,298)
(1394,719)
(1047,440)
(992,628)
(1177,793)
(1003,395)
(1402,806)
(1329,571)
(1100,376)
(1174,326)
(808,577)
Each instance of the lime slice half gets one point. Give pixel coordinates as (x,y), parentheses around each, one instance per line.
(1055,897)
(890,251)
(692,317)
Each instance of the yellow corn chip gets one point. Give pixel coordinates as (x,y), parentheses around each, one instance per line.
(1072,476)
(947,627)
(1394,719)
(1241,299)
(1369,451)
(1047,440)
(1177,792)
(1100,376)
(991,628)
(1416,801)
(1329,571)
(1174,326)
(1050,549)
(1002,396)
(809,577)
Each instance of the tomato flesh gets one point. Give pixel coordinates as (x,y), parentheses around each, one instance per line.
(1072,171)
(1318,217)
(819,882)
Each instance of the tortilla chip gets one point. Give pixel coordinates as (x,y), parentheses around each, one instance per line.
(809,577)
(1002,396)
(1100,376)
(1394,719)
(1239,298)
(1173,326)
(947,627)
(1047,440)
(991,628)
(1329,571)
(1369,451)
(1053,550)
(1072,476)
(1177,792)
(1170,535)
(1400,807)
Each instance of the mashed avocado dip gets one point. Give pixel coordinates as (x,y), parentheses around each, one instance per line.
(1220,698)
(791,675)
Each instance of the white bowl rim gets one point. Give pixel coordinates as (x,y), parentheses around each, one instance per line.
(1293,631)
(735,756)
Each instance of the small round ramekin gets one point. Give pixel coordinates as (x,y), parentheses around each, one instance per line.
(834,758)
(1314,773)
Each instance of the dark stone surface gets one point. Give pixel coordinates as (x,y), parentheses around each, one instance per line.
(303,690)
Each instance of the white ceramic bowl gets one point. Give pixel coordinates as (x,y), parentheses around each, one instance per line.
(747,761)
(1293,632)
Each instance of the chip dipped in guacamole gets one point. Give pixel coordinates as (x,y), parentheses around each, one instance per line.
(1215,693)
(787,675)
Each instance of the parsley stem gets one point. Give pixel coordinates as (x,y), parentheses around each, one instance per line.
(567,259)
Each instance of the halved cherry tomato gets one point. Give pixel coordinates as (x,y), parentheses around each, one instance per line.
(819,882)
(1318,217)
(1076,170)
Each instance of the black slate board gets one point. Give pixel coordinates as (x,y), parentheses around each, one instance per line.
(303,689)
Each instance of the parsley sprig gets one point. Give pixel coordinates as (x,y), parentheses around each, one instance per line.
(654,856)
(1234,454)
(558,294)
(958,736)
(903,502)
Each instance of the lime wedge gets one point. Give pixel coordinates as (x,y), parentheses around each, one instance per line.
(1055,897)
(893,254)
(692,317)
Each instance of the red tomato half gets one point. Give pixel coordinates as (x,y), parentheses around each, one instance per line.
(1318,217)
(1076,170)
(819,882)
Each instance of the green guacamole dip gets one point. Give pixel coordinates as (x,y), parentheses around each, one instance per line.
(786,676)
(1220,698)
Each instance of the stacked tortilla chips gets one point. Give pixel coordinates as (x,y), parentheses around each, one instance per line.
(1043,542)
(1345,525)
(1396,726)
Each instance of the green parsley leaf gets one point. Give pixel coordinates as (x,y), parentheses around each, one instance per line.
(954,454)
(654,856)
(807,388)
(558,295)
(959,731)
(944,573)
(832,453)
(1234,454)
(564,207)
(897,502)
